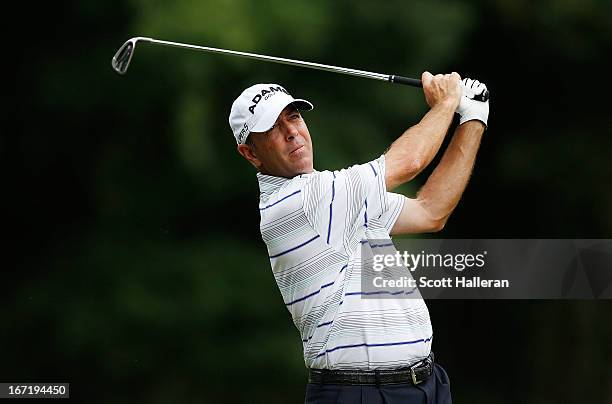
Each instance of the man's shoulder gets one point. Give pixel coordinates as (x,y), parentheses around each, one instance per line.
(283,197)
(289,195)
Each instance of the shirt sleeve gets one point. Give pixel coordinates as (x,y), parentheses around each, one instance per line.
(339,204)
(396,204)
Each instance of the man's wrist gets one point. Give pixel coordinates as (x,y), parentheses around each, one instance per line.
(447,104)
(474,124)
(473,110)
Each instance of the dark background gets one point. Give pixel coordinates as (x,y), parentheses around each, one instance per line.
(134,268)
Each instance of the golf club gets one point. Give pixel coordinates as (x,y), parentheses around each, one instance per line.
(123,57)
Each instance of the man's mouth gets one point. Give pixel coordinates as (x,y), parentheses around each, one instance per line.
(296,149)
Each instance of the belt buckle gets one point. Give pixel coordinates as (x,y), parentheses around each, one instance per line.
(413,374)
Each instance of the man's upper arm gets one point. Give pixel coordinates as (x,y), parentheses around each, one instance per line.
(414,218)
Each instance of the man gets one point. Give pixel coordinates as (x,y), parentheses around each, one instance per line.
(316,225)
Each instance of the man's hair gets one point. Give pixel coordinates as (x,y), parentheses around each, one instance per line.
(249,141)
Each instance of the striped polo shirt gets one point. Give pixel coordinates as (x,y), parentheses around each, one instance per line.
(316,227)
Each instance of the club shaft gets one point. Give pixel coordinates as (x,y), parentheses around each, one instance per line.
(292,62)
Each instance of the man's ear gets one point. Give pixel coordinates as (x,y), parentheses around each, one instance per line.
(248,153)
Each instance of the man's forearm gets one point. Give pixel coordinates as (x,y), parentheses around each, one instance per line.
(443,189)
(418,145)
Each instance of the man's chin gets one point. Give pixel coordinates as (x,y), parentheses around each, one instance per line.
(306,167)
(302,169)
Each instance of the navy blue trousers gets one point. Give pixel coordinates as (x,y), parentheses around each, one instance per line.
(434,390)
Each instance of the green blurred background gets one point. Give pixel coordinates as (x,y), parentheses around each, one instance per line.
(134,268)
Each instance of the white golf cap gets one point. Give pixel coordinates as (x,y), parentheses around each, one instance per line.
(258,107)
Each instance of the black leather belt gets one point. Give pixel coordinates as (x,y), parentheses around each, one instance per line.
(415,374)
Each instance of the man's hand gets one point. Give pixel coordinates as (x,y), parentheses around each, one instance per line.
(470,109)
(441,88)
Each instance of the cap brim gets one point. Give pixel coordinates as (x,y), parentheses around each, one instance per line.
(267,121)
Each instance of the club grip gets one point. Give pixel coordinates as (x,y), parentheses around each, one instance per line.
(405,80)
(417,83)
(484,97)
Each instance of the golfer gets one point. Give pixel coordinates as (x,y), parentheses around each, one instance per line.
(316,225)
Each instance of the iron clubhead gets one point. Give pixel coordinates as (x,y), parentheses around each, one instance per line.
(123,57)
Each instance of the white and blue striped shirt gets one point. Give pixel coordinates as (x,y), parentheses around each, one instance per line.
(315,227)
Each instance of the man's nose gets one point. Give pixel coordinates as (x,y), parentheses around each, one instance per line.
(291,131)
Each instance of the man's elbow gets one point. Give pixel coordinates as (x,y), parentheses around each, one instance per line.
(416,165)
(434,220)
(437,222)
(412,167)
(403,165)
(437,225)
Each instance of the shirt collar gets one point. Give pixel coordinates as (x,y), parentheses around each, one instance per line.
(269,184)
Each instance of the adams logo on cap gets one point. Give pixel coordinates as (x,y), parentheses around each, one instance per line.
(265,94)
(258,107)
(243,133)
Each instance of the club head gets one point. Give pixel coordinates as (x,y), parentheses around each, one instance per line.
(123,57)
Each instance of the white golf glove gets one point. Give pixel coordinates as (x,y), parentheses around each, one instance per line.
(470,108)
